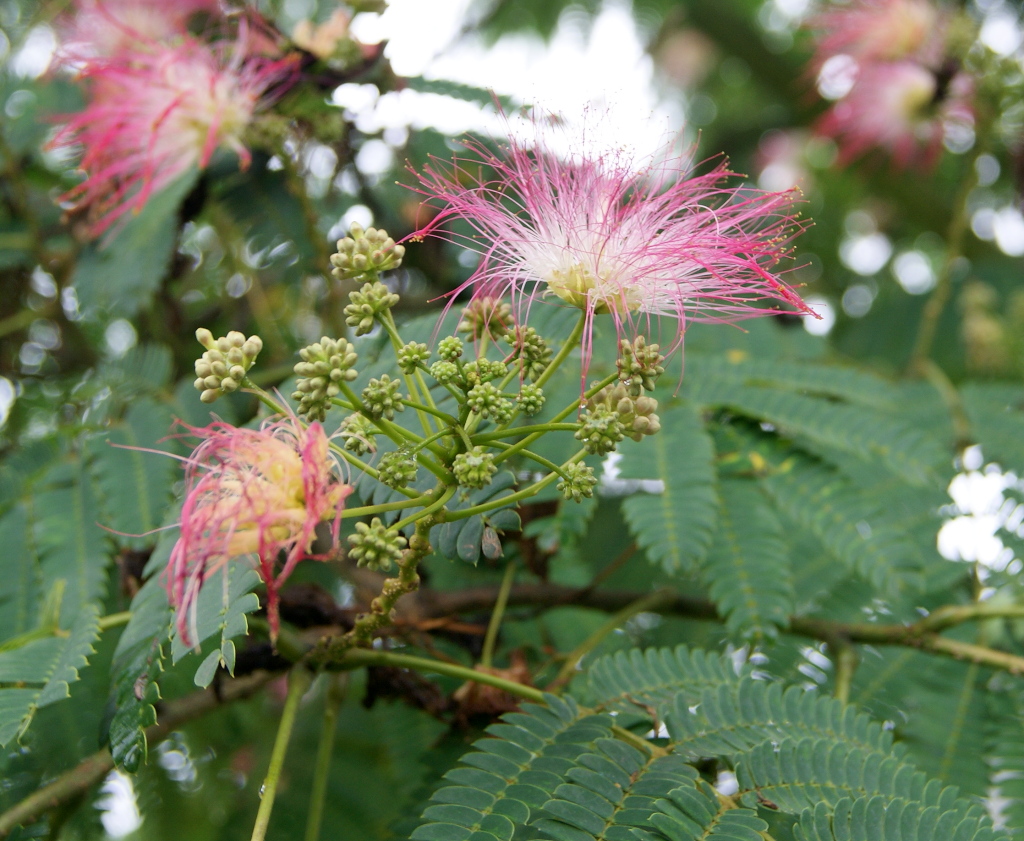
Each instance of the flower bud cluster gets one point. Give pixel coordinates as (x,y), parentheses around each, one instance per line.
(382,399)
(474,469)
(450,348)
(397,469)
(324,367)
(637,414)
(358,435)
(487,401)
(482,371)
(446,373)
(376,546)
(578,482)
(640,365)
(222,367)
(368,252)
(486,317)
(412,356)
(531,347)
(530,399)
(368,304)
(600,430)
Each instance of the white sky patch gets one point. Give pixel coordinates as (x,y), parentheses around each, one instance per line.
(119,810)
(604,68)
(35,54)
(865,254)
(1008,228)
(913,271)
(823,307)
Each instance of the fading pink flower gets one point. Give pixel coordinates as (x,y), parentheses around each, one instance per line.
(600,234)
(880,30)
(108,27)
(252,492)
(899,108)
(155,114)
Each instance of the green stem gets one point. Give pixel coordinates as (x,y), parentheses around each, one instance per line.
(449,492)
(484,437)
(437,413)
(563,354)
(357,657)
(487,655)
(550,465)
(568,410)
(846,665)
(370,510)
(525,493)
(115,620)
(299,679)
(325,747)
(616,620)
(936,303)
(363,467)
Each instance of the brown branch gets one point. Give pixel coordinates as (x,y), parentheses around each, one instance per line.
(94,768)
(922,634)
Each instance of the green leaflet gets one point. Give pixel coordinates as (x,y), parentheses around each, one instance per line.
(611,793)
(66,537)
(848,384)
(512,772)
(748,569)
(121,274)
(138,661)
(807,755)
(847,520)
(135,484)
(696,814)
(675,526)
(38,671)
(224,600)
(997,419)
(891,819)
(629,681)
(800,774)
(854,429)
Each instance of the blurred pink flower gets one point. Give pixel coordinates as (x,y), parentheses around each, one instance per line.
(252,493)
(107,27)
(155,114)
(880,30)
(897,107)
(601,234)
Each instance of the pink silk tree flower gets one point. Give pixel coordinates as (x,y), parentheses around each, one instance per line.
(258,493)
(880,30)
(155,114)
(107,27)
(900,109)
(599,233)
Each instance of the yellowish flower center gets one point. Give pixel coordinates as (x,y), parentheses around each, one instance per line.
(579,287)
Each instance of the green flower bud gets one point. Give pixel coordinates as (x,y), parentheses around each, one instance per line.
(530,346)
(579,482)
(412,356)
(486,317)
(637,414)
(639,365)
(376,546)
(368,252)
(382,399)
(601,430)
(445,373)
(531,399)
(224,364)
(368,304)
(450,348)
(483,371)
(358,434)
(324,366)
(487,401)
(397,469)
(474,469)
